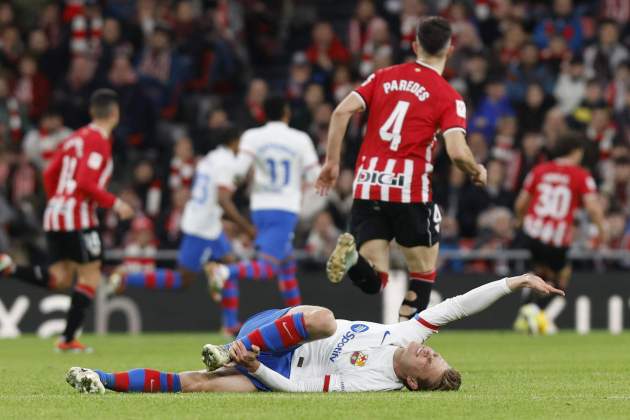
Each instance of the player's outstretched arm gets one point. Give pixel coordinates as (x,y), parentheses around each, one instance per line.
(336,131)
(480,298)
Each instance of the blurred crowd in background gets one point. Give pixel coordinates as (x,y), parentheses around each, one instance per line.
(529,70)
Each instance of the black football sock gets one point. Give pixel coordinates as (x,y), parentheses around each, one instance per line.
(418,294)
(36,275)
(82,297)
(365,277)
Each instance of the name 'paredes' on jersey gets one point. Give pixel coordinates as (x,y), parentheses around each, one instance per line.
(407,86)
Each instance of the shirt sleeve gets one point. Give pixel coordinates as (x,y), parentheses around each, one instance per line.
(278,382)
(529,183)
(366,90)
(458,307)
(245,157)
(224,177)
(453,114)
(51,174)
(587,184)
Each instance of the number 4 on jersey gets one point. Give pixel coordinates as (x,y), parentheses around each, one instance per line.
(390,130)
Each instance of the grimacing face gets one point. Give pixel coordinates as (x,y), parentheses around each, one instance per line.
(421,364)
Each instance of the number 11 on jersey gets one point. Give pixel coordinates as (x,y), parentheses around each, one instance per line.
(390,130)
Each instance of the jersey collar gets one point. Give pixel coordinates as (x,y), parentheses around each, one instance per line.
(428,66)
(99,130)
(276,123)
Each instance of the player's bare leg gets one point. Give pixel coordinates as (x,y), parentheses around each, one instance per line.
(89,278)
(299,325)
(421,263)
(367,268)
(226,379)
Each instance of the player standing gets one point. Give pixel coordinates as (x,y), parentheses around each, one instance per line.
(75,182)
(203,237)
(407,104)
(545,208)
(284,159)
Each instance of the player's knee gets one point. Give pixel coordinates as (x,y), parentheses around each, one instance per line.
(321,323)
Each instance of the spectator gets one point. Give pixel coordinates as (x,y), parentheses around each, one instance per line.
(409,18)
(340,199)
(299,76)
(254,111)
(326,49)
(497,195)
(492,107)
(141,247)
(531,112)
(323,237)
(565,21)
(32,89)
(13,121)
(361,27)
(602,58)
(530,154)
(170,222)
(147,186)
(526,71)
(571,86)
(182,168)
(73,93)
(40,143)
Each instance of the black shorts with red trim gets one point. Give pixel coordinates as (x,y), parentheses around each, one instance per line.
(410,224)
(546,255)
(80,246)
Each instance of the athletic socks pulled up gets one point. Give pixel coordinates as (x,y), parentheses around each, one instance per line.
(81,299)
(141,380)
(418,294)
(288,284)
(229,305)
(282,334)
(366,278)
(160,279)
(254,270)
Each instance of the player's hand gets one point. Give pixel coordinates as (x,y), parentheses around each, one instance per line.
(251,232)
(532,281)
(327,178)
(481,178)
(243,357)
(123,210)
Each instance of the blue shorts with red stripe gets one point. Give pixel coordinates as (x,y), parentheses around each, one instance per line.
(278,361)
(195,251)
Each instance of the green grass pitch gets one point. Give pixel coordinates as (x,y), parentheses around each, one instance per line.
(504,376)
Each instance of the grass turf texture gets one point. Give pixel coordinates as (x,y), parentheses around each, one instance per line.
(504,376)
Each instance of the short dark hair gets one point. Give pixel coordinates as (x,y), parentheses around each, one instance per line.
(568,142)
(433,34)
(451,380)
(102,103)
(274,107)
(228,134)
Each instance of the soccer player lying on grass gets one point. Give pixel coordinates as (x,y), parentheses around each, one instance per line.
(305,349)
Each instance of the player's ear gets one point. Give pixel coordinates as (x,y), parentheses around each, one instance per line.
(415,47)
(412,383)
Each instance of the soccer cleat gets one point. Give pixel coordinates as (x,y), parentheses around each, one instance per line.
(214,356)
(530,313)
(217,275)
(74,346)
(342,258)
(545,325)
(6,265)
(86,381)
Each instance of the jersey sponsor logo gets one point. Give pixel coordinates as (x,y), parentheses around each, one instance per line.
(346,338)
(385,336)
(367,176)
(410,86)
(358,359)
(359,328)
(460,108)
(94,160)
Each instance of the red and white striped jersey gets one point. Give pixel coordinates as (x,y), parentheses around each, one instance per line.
(76,181)
(556,192)
(407,104)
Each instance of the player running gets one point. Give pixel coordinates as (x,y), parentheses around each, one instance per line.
(75,182)
(408,104)
(284,159)
(545,208)
(305,349)
(203,237)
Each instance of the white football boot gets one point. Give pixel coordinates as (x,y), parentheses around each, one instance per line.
(6,265)
(86,381)
(215,356)
(217,274)
(343,257)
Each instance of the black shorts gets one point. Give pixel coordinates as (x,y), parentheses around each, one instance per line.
(411,224)
(546,255)
(80,246)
